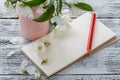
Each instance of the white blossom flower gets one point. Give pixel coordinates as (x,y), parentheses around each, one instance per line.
(74,10)
(25,11)
(62,24)
(37,74)
(66,12)
(9,8)
(40,9)
(43,48)
(39,47)
(61,20)
(59,31)
(66,19)
(57,19)
(6,4)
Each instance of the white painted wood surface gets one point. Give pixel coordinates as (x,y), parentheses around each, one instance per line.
(104,65)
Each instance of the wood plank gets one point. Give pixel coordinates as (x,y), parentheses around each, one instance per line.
(17,77)
(106,61)
(10,27)
(104,9)
(85,77)
(61,77)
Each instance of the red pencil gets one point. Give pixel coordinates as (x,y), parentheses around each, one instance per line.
(91,33)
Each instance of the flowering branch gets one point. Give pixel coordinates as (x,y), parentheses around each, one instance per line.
(51,7)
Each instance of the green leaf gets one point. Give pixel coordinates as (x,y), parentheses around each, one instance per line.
(84,6)
(33,2)
(68,4)
(48,14)
(13,1)
(59,6)
(45,7)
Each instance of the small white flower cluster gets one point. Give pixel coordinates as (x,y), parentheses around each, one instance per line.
(25,68)
(23,10)
(9,8)
(65,18)
(27,11)
(47,9)
(62,19)
(37,75)
(40,49)
(41,46)
(40,9)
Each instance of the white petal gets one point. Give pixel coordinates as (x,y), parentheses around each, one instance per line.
(57,19)
(41,44)
(10,9)
(43,48)
(26,11)
(40,10)
(66,19)
(29,12)
(75,10)
(66,12)
(59,31)
(37,75)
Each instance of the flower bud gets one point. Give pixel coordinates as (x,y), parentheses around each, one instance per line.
(37,75)
(24,70)
(6,3)
(44,61)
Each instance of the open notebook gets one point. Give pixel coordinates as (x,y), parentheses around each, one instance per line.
(70,47)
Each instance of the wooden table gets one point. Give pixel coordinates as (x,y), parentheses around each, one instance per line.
(104,65)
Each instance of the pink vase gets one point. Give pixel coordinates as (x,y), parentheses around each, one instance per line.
(32,30)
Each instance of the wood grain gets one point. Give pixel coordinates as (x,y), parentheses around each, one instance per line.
(85,77)
(62,77)
(105,61)
(104,65)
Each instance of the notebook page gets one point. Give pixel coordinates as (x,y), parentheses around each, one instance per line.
(69,47)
